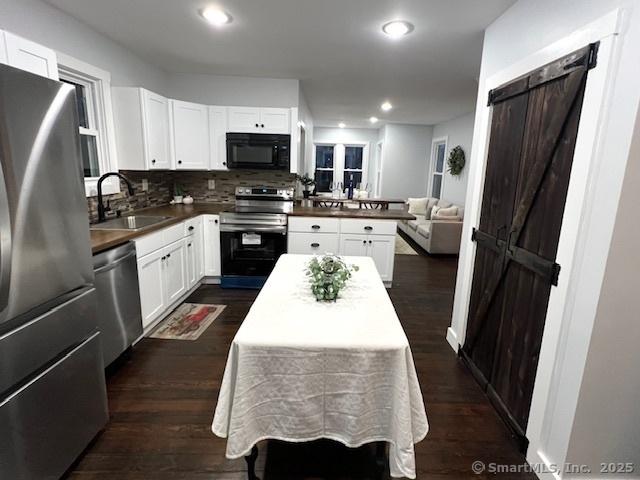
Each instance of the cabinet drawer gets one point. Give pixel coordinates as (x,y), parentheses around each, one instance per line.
(149,243)
(378,227)
(314,225)
(191,226)
(312,243)
(173,233)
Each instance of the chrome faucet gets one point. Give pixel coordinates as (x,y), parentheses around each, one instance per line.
(101,209)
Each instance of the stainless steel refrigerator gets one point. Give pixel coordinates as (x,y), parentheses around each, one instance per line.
(52,386)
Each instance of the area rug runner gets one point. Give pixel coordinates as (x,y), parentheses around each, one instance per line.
(403,247)
(188,321)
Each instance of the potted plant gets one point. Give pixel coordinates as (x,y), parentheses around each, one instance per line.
(306,182)
(328,275)
(177,193)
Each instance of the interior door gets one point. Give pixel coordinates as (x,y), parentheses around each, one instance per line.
(156,121)
(533,132)
(190,128)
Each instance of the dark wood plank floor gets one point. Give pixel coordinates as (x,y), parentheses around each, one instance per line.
(162,401)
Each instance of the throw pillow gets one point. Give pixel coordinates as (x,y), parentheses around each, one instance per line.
(417,206)
(448,212)
(434,211)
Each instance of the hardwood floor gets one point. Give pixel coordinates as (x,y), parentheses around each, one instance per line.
(162,401)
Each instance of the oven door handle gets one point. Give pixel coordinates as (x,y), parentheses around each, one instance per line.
(225,227)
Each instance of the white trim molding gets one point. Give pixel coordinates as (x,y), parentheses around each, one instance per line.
(432,164)
(107,151)
(585,236)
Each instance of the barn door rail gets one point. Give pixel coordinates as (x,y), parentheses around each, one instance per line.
(585,58)
(547,269)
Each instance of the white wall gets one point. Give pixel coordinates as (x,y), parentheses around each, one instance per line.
(44,24)
(607,421)
(458,131)
(406,152)
(232,90)
(526,28)
(304,115)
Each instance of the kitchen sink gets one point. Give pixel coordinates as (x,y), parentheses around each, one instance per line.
(131,222)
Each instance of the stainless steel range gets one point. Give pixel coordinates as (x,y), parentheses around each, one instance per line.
(254,235)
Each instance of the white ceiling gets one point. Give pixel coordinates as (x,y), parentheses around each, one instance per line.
(347,67)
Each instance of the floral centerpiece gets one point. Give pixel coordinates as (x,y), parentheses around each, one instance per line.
(328,275)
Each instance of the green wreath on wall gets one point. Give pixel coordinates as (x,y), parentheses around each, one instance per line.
(456,161)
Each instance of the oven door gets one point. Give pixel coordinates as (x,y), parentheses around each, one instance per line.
(249,253)
(257,151)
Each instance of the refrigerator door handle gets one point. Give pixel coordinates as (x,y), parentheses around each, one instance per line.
(5,246)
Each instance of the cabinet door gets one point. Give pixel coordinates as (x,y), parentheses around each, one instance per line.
(198,243)
(382,249)
(190,135)
(30,56)
(243,119)
(156,130)
(218,137)
(175,271)
(152,295)
(212,246)
(190,254)
(275,120)
(312,243)
(354,245)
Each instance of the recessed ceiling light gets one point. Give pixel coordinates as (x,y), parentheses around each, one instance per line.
(341,125)
(215,16)
(397,28)
(386,106)
(373,119)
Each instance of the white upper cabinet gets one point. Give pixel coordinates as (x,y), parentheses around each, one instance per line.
(189,135)
(259,120)
(243,119)
(156,127)
(142,129)
(274,120)
(218,137)
(27,55)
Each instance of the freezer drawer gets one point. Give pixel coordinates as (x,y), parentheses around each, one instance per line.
(33,345)
(48,422)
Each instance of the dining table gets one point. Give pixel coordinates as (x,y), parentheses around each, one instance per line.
(300,370)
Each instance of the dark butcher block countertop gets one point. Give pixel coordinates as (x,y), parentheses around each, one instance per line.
(104,239)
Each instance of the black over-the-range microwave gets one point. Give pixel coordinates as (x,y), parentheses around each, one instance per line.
(261,151)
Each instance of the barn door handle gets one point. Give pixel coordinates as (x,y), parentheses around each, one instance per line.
(509,246)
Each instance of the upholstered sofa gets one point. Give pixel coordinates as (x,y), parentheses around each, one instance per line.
(437,227)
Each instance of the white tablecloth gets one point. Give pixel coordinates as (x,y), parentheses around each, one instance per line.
(299,370)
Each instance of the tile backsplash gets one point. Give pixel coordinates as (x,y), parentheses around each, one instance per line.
(194,183)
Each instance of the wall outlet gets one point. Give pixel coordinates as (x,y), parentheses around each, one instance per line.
(212,184)
(145,185)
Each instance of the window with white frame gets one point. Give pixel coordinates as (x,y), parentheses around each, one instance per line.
(338,164)
(438,151)
(95,120)
(325,167)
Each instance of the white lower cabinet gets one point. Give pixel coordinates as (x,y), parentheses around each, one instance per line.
(194,250)
(172,261)
(348,237)
(175,271)
(312,243)
(152,294)
(212,262)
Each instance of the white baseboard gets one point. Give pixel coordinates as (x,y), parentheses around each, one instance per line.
(452,338)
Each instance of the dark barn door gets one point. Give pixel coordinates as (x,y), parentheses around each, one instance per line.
(533,132)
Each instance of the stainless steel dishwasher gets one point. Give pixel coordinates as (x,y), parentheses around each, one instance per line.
(118,299)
